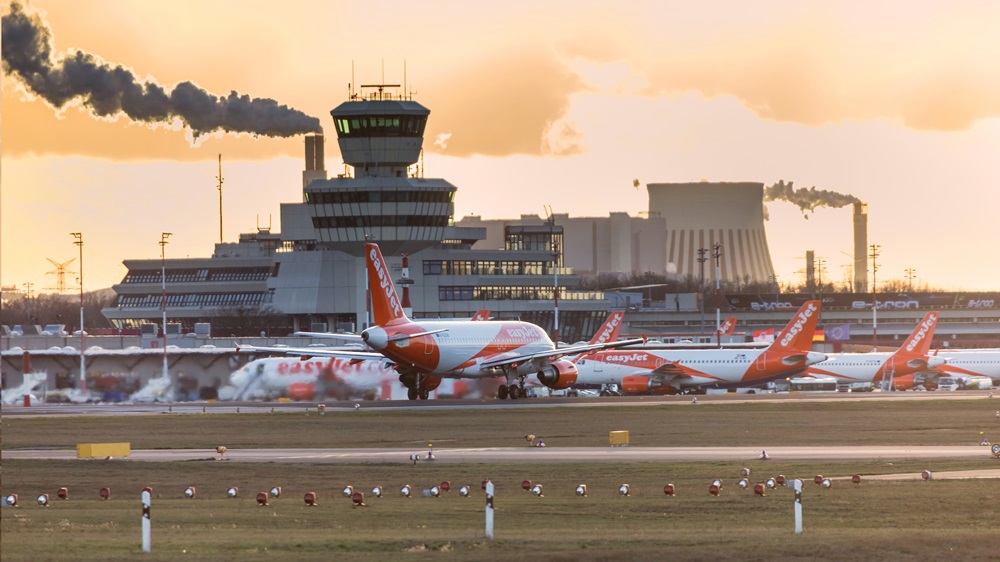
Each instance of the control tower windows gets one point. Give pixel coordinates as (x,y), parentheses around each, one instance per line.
(381,126)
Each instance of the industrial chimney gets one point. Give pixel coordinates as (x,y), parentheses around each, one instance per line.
(861,247)
(315,168)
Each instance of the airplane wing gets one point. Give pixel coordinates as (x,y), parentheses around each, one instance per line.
(504,359)
(316,352)
(330,335)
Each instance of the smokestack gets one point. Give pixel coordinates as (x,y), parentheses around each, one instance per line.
(810,269)
(861,247)
(315,168)
(108,90)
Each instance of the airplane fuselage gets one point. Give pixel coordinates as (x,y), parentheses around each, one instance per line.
(691,368)
(459,347)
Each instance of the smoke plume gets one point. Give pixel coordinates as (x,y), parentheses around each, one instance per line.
(108,90)
(807,198)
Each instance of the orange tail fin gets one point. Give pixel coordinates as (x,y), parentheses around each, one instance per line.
(798,334)
(919,341)
(481,315)
(609,330)
(385,302)
(728,326)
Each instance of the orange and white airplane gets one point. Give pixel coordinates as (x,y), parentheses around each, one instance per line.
(899,366)
(963,365)
(668,371)
(424,352)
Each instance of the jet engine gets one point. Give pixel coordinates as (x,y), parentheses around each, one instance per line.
(639,384)
(301,391)
(558,374)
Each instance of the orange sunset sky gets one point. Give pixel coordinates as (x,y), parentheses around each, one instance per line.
(532,103)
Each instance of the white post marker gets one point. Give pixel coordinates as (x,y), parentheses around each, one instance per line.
(796,485)
(146,499)
(489,510)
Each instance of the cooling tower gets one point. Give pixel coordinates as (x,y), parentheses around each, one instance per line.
(700,214)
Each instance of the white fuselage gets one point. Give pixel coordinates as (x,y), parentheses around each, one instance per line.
(459,348)
(700,367)
(972,362)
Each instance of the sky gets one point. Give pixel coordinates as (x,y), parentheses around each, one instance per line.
(533,104)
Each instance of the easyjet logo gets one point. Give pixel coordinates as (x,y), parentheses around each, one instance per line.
(521,333)
(925,326)
(385,283)
(726,326)
(630,358)
(609,327)
(800,320)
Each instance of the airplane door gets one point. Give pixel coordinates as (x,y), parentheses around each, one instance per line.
(761,362)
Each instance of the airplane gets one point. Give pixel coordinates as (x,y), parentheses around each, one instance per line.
(965,366)
(425,352)
(668,371)
(898,366)
(11,396)
(306,378)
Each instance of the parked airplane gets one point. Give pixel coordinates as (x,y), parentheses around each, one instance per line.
(667,371)
(898,366)
(424,352)
(304,379)
(962,366)
(11,396)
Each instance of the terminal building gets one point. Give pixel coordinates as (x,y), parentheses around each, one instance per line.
(311,276)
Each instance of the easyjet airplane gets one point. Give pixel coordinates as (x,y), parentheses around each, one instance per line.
(667,371)
(898,366)
(964,364)
(424,352)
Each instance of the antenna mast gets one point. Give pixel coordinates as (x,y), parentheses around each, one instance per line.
(219,177)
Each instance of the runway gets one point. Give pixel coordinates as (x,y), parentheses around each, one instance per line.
(137,409)
(537,454)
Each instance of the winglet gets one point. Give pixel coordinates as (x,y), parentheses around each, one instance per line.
(919,341)
(385,302)
(798,334)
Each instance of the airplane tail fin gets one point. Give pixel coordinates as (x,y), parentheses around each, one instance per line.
(919,341)
(609,330)
(798,334)
(386,308)
(481,315)
(727,327)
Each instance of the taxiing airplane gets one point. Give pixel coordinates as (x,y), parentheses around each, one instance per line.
(668,371)
(899,366)
(424,352)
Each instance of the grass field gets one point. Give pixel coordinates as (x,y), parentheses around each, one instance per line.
(888,520)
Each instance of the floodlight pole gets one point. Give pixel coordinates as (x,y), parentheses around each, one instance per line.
(873,255)
(163,281)
(83,335)
(717,254)
(701,285)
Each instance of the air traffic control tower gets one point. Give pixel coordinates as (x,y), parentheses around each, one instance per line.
(386,199)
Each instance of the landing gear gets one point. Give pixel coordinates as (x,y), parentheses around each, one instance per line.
(423,393)
(515,392)
(502,392)
(411,393)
